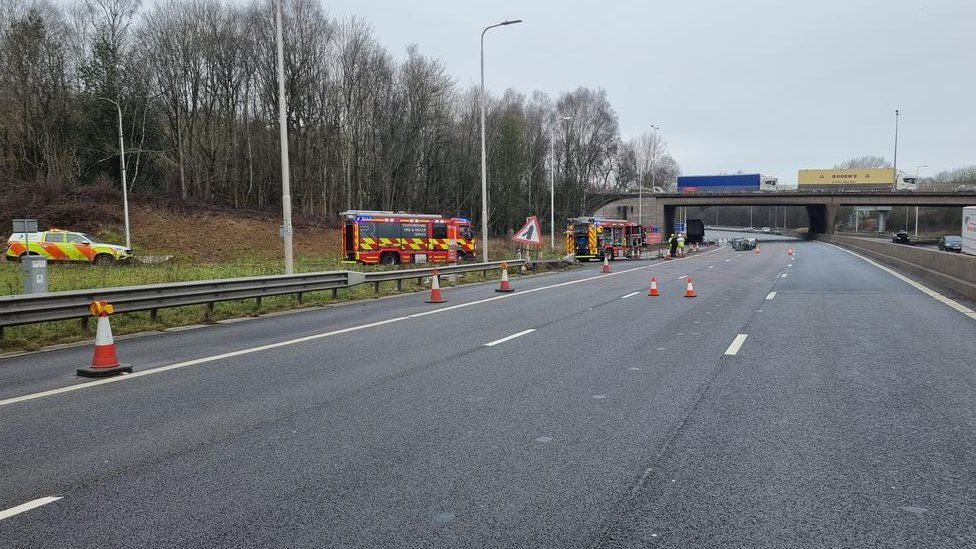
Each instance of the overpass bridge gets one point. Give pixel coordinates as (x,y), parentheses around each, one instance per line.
(821,206)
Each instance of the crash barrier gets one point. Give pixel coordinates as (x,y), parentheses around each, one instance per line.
(74,304)
(953,271)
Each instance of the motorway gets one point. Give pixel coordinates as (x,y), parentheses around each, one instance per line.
(814,401)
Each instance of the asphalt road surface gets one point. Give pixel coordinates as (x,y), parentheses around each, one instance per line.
(813,401)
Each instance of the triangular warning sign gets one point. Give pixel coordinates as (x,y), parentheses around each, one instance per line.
(530,233)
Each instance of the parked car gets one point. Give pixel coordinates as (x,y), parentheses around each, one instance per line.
(950,243)
(62,245)
(901,237)
(765,230)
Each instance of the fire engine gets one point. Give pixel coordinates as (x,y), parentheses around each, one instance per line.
(392,238)
(595,238)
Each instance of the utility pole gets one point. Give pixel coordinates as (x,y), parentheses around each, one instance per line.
(552,180)
(286,229)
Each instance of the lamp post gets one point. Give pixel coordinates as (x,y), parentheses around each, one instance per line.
(552,181)
(640,181)
(895,161)
(917,168)
(286,229)
(125,186)
(484,156)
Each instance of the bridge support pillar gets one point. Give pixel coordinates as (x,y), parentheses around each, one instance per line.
(667,225)
(822,218)
(882,219)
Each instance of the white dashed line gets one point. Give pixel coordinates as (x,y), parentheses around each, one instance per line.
(631,294)
(770,295)
(507,338)
(682,276)
(790,265)
(710,267)
(27,506)
(736,344)
(783,275)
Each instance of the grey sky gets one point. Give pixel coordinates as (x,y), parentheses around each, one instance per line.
(757,85)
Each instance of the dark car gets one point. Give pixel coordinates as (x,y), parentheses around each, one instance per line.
(901,237)
(950,243)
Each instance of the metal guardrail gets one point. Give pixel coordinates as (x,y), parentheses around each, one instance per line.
(31,308)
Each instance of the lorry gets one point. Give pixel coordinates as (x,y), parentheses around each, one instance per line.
(596,237)
(745,182)
(968,232)
(855,179)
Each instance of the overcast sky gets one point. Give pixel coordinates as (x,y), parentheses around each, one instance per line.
(769,86)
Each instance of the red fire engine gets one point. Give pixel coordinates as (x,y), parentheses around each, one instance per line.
(595,238)
(391,238)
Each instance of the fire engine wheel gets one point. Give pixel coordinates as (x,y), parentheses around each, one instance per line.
(103,259)
(389,259)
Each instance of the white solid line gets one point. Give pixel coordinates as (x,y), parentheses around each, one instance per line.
(920,287)
(784,275)
(513,336)
(27,506)
(770,295)
(736,344)
(285,343)
(631,294)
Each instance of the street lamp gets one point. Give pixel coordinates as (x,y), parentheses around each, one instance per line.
(484,156)
(917,168)
(895,161)
(286,228)
(125,187)
(552,181)
(640,179)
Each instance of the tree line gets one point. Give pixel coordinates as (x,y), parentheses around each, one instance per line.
(196,84)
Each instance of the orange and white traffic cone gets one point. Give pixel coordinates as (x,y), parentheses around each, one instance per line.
(757,248)
(104,361)
(653,291)
(790,251)
(690,289)
(435,289)
(606,263)
(505,286)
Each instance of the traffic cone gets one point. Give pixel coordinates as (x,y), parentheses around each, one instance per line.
(690,289)
(790,251)
(653,291)
(757,248)
(104,360)
(435,289)
(606,263)
(505,287)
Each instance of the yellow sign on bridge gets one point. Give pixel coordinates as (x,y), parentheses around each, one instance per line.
(858,176)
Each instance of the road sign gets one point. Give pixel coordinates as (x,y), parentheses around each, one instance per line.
(679,227)
(530,233)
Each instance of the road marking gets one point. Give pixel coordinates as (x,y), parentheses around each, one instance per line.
(710,267)
(790,265)
(682,276)
(770,295)
(313,337)
(783,275)
(631,294)
(507,338)
(920,287)
(27,506)
(736,344)
(728,260)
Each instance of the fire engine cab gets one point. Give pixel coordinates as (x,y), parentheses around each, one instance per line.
(595,238)
(392,238)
